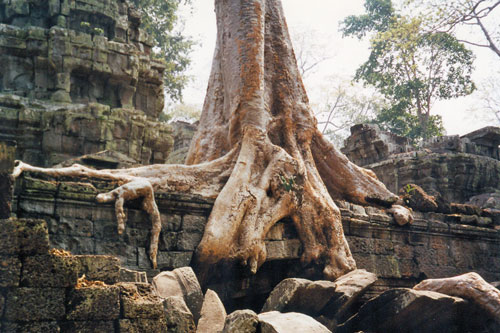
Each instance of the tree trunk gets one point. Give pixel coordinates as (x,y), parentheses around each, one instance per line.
(258,151)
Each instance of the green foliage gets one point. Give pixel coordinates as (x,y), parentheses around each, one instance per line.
(410,67)
(287,183)
(158,19)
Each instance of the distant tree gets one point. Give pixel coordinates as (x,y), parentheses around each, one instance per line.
(181,111)
(310,52)
(410,67)
(344,104)
(447,16)
(159,19)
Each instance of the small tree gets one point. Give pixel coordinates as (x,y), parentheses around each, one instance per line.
(159,18)
(412,68)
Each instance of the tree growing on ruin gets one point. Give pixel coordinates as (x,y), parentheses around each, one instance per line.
(411,67)
(257,151)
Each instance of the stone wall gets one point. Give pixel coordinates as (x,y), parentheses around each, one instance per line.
(435,245)
(44,290)
(78,77)
(455,167)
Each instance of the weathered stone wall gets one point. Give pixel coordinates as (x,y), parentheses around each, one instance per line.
(436,245)
(455,167)
(44,290)
(78,77)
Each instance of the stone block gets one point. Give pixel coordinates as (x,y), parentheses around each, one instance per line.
(242,321)
(99,268)
(52,270)
(91,326)
(128,275)
(25,236)
(213,314)
(168,241)
(172,222)
(73,244)
(139,302)
(286,249)
(276,322)
(10,271)
(32,327)
(74,227)
(126,253)
(94,303)
(167,260)
(178,316)
(34,304)
(194,223)
(188,241)
(145,325)
(180,282)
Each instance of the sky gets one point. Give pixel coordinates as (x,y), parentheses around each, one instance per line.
(320,19)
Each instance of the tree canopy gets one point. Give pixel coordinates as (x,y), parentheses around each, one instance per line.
(159,18)
(410,67)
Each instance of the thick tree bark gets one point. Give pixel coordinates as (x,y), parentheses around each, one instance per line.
(258,151)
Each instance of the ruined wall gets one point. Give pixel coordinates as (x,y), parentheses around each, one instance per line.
(436,245)
(78,77)
(455,167)
(42,290)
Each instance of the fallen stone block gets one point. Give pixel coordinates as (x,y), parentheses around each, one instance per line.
(34,304)
(470,286)
(349,288)
(291,322)
(213,314)
(94,303)
(177,315)
(180,282)
(408,310)
(241,321)
(300,295)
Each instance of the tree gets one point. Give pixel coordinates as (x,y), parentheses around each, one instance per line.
(344,104)
(411,67)
(158,19)
(308,51)
(447,16)
(257,151)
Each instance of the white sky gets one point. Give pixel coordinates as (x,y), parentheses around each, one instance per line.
(322,18)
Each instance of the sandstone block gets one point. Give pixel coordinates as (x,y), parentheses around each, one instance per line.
(99,268)
(292,322)
(213,314)
(10,271)
(349,288)
(25,236)
(285,293)
(140,302)
(393,311)
(50,270)
(143,325)
(32,327)
(91,326)
(181,282)
(242,321)
(178,317)
(128,275)
(94,303)
(33,304)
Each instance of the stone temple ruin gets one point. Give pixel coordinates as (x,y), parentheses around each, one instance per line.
(78,79)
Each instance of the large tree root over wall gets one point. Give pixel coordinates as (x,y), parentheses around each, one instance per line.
(257,151)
